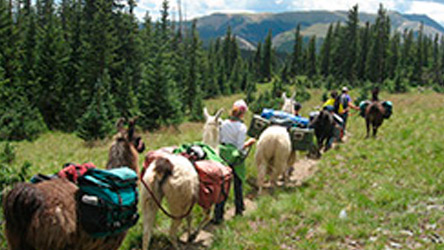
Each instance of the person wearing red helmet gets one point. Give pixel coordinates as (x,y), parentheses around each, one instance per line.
(233,133)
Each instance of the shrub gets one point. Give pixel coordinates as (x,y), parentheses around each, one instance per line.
(19,120)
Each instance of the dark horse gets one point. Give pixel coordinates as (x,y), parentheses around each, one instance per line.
(44,215)
(324,127)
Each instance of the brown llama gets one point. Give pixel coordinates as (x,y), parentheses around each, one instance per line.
(374,113)
(44,215)
(374,116)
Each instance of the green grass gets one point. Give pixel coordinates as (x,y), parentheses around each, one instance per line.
(386,185)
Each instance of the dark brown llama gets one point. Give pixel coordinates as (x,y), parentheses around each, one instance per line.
(44,215)
(374,116)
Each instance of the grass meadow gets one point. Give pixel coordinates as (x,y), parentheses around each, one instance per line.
(366,194)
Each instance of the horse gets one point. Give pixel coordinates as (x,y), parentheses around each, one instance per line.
(175,178)
(44,215)
(374,116)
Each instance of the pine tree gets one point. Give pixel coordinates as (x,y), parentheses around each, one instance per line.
(326,52)
(267,58)
(28,48)
(50,67)
(258,62)
(297,52)
(127,63)
(338,52)
(364,46)
(98,43)
(419,60)
(8,43)
(98,119)
(394,56)
(311,57)
(192,77)
(437,75)
(351,44)
(377,63)
(162,101)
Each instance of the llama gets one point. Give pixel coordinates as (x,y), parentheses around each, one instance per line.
(211,128)
(175,178)
(273,155)
(288,103)
(374,116)
(324,128)
(44,215)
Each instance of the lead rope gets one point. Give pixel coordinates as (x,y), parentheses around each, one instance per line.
(160,205)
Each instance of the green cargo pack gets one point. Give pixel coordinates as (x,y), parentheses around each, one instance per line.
(108,201)
(301,138)
(257,126)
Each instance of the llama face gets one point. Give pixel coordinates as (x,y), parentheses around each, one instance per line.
(288,103)
(129,134)
(211,128)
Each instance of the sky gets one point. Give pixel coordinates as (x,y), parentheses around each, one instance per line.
(197,8)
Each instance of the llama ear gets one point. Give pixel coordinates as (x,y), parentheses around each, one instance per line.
(120,123)
(131,127)
(205,111)
(284,95)
(293,95)
(219,113)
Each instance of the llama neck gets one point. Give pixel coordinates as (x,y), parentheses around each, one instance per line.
(211,137)
(122,154)
(288,109)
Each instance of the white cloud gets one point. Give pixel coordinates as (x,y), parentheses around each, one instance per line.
(432,9)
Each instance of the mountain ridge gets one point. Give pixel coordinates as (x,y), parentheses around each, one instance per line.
(252,28)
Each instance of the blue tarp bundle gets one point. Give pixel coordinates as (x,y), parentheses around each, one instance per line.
(269,113)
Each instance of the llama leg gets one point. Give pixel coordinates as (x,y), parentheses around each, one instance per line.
(261,176)
(149,210)
(368,127)
(202,224)
(173,232)
(375,130)
(189,219)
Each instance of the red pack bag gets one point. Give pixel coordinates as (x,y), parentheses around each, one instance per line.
(215,179)
(73,171)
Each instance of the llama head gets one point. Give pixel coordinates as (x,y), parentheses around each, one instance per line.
(129,134)
(288,103)
(211,128)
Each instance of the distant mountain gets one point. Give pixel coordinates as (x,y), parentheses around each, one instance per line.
(252,28)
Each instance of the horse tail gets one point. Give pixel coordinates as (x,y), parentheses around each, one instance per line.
(19,207)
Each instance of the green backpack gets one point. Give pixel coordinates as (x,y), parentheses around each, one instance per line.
(108,201)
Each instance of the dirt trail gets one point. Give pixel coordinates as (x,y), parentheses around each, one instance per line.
(303,170)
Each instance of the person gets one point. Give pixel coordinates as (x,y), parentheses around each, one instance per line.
(334,106)
(347,103)
(233,133)
(334,102)
(297,108)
